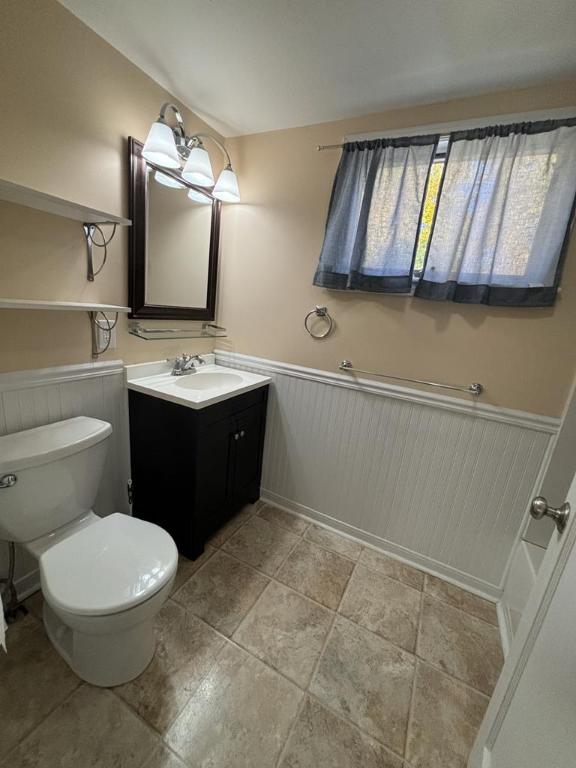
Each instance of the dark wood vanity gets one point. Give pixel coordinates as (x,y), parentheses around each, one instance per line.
(193,465)
(193,469)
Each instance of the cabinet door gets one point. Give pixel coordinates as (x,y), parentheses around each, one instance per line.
(215,456)
(248,453)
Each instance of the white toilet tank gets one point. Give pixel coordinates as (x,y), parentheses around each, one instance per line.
(57,469)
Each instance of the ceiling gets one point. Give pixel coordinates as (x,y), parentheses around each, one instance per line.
(256,65)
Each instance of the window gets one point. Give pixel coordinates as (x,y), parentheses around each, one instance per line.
(476,216)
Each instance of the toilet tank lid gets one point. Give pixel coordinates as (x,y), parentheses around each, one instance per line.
(50,442)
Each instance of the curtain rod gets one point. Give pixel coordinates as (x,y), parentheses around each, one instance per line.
(457,125)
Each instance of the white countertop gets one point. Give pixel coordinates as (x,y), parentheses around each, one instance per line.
(209,385)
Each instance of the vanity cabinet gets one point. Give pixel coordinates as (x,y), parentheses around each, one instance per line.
(193,469)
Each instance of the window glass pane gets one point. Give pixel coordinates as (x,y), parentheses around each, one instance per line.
(428,210)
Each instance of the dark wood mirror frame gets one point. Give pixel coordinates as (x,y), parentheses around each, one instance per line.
(138,192)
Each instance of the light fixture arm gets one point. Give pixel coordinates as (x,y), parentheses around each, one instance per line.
(196,140)
(179,119)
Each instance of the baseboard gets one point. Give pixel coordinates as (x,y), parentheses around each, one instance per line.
(29,583)
(429,565)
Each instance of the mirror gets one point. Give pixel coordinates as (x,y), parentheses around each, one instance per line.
(173,249)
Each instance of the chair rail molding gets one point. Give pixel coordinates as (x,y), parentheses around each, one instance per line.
(548,424)
(437,481)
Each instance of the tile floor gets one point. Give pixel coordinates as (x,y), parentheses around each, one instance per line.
(284,646)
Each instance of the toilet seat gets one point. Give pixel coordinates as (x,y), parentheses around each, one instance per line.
(109,567)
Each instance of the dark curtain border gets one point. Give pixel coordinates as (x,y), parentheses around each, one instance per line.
(394,141)
(495,296)
(356,281)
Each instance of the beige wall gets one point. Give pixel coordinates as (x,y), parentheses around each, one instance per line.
(69,102)
(524,357)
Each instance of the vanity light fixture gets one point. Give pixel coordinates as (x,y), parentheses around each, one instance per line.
(198,169)
(169,147)
(226,188)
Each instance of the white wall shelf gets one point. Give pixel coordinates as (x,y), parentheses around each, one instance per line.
(73,306)
(92,219)
(207,331)
(41,201)
(100,327)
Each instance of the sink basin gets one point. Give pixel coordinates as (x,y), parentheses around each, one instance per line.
(208,380)
(209,385)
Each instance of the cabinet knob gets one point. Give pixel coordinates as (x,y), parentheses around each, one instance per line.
(236,436)
(242,433)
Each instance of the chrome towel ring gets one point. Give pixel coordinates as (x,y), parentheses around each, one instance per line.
(323,313)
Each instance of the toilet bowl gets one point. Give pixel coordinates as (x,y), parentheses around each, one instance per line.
(103,579)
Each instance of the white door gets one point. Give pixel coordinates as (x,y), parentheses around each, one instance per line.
(531,718)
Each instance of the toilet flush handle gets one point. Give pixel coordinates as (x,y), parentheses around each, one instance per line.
(7,481)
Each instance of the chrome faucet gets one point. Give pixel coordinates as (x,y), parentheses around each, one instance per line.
(185,364)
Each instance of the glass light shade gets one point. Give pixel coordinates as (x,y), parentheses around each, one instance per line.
(198,169)
(199,197)
(168,181)
(160,147)
(226,188)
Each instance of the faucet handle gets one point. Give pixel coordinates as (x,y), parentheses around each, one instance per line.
(177,363)
(183,363)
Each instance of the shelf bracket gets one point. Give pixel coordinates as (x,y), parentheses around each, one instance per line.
(103,325)
(89,230)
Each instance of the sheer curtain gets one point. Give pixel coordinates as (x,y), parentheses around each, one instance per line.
(502,221)
(374,215)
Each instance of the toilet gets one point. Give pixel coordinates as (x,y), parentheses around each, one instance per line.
(103,579)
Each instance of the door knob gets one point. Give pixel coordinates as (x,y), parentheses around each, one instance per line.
(540,508)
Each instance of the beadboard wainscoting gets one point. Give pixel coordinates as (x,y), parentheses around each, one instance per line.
(437,481)
(32,398)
